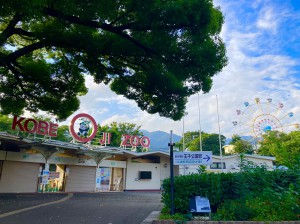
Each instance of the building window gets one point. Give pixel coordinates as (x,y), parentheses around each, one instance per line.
(217,165)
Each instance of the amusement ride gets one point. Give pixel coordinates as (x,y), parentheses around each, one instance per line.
(262,116)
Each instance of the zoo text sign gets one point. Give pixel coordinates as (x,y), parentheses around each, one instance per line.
(85,133)
(134,141)
(31,125)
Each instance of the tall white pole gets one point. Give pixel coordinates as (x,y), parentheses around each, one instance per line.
(183,142)
(219,134)
(200,137)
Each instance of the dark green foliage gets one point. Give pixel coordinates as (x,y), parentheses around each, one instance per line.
(242,146)
(285,147)
(63,134)
(157,53)
(210,142)
(235,138)
(239,196)
(117,130)
(267,205)
(5,124)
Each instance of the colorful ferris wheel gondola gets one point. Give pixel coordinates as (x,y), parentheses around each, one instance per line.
(262,116)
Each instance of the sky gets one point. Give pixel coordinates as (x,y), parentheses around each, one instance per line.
(262,39)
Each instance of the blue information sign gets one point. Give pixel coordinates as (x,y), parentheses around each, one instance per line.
(195,157)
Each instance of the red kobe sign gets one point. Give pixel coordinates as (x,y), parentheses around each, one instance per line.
(39,127)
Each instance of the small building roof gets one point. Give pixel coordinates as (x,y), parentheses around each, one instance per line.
(9,141)
(246,155)
(140,154)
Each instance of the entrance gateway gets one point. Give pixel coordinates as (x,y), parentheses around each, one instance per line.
(62,166)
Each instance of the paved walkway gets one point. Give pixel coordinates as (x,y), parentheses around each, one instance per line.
(44,201)
(15,204)
(11,201)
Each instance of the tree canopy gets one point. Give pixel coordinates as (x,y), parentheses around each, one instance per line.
(156,53)
(210,142)
(241,146)
(118,129)
(284,147)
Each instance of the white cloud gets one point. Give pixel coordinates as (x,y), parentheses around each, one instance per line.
(267,20)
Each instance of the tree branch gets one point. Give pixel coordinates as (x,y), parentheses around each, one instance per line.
(10,28)
(94,24)
(25,50)
(22,32)
(19,81)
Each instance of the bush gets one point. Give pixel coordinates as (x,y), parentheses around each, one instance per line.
(233,210)
(269,205)
(255,194)
(176,216)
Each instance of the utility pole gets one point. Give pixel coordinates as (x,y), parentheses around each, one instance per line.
(200,137)
(219,134)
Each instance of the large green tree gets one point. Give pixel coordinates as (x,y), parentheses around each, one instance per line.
(241,146)
(284,147)
(154,52)
(209,142)
(63,134)
(117,130)
(5,123)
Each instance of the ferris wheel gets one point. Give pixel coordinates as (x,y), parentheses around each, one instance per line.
(258,118)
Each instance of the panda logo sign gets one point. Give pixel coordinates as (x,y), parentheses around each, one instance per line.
(83,127)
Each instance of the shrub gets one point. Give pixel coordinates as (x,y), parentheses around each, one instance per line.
(254,194)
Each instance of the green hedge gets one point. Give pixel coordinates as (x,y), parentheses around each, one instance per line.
(224,188)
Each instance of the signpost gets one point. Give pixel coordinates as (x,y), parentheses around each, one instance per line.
(171,144)
(191,158)
(185,158)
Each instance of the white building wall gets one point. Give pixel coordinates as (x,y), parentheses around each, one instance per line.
(231,163)
(132,177)
(25,157)
(261,161)
(56,159)
(164,168)
(113,163)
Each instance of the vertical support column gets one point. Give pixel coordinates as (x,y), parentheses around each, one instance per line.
(171,144)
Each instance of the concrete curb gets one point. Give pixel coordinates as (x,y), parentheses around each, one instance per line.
(153,216)
(225,222)
(36,206)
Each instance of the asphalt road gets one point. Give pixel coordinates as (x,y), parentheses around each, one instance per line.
(91,208)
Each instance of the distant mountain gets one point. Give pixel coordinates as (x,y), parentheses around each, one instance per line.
(159,140)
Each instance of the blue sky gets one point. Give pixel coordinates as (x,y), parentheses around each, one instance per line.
(263,46)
